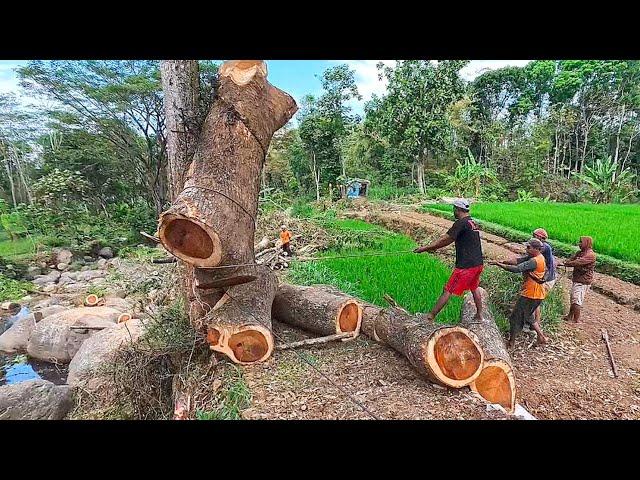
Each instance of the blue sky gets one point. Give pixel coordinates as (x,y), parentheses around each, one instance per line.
(297,77)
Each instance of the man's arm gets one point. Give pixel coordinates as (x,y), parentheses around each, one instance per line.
(526,266)
(579,262)
(443,241)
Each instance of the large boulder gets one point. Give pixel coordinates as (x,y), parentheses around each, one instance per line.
(120,304)
(105,252)
(51,277)
(53,341)
(63,255)
(35,400)
(89,275)
(16,337)
(99,349)
(32,272)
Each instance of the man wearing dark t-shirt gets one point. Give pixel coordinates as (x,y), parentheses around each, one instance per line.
(466,276)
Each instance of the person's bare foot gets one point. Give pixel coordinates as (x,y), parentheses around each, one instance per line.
(567,318)
(429,317)
(477,318)
(542,340)
(511,344)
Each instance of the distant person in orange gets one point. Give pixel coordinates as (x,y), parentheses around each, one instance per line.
(285,238)
(583,263)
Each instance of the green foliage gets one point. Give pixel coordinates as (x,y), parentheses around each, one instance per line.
(141,253)
(607,181)
(415,281)
(567,222)
(232,400)
(13,290)
(472,179)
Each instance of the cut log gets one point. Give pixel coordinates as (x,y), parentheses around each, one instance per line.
(212,220)
(92,300)
(124,317)
(448,355)
(239,323)
(496,383)
(318,309)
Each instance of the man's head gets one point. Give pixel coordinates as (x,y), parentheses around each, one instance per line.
(283,228)
(533,246)
(460,208)
(540,234)
(585,243)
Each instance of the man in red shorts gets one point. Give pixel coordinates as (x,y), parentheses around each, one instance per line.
(466,276)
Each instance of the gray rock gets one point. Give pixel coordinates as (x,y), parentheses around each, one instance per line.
(16,338)
(33,272)
(100,348)
(50,288)
(62,266)
(102,263)
(87,258)
(105,252)
(52,339)
(90,275)
(64,256)
(35,400)
(51,277)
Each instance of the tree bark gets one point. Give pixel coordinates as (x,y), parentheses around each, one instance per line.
(181,87)
(239,322)
(212,221)
(319,309)
(496,383)
(447,355)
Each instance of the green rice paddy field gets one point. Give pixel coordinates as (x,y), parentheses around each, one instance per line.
(615,228)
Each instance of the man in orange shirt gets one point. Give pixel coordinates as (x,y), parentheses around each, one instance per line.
(533,268)
(285,238)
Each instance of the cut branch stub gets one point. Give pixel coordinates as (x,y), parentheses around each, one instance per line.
(447,355)
(318,309)
(496,383)
(239,324)
(212,221)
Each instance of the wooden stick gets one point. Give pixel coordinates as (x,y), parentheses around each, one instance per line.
(83,327)
(150,237)
(164,260)
(315,341)
(605,337)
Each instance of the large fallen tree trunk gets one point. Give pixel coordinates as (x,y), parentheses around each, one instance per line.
(211,223)
(448,355)
(239,323)
(318,309)
(212,220)
(496,383)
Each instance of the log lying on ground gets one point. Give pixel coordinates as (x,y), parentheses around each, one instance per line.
(318,309)
(263,244)
(92,300)
(212,220)
(448,355)
(239,323)
(496,383)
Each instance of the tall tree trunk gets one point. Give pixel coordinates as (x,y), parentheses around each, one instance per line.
(10,177)
(316,175)
(181,87)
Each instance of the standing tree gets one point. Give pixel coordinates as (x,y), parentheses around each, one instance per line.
(413,116)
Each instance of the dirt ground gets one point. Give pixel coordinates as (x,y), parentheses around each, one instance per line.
(571,378)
